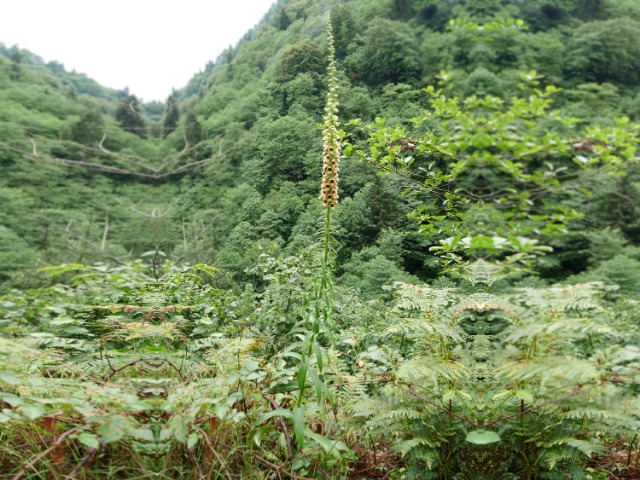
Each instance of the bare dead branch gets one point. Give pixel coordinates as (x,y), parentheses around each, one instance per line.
(148,172)
(105,232)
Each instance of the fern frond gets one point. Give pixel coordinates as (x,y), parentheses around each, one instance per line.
(431,371)
(405,446)
(556,369)
(586,447)
(423,298)
(403,413)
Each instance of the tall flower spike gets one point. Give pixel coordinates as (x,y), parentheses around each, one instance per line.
(330,133)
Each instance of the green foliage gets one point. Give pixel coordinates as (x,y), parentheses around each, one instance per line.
(489,168)
(88,130)
(389,54)
(171,116)
(344,25)
(152,348)
(283,151)
(15,254)
(129,117)
(305,56)
(489,370)
(605,51)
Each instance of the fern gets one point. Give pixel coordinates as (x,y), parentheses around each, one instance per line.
(404,447)
(431,372)
(566,370)
(585,447)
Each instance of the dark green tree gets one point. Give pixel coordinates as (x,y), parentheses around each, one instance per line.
(389,54)
(590,9)
(298,77)
(129,117)
(89,129)
(344,28)
(605,51)
(305,56)
(171,116)
(481,10)
(282,20)
(192,128)
(433,13)
(544,15)
(283,145)
(402,9)
(16,61)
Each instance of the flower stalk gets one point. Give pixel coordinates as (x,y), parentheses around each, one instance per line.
(322,302)
(332,144)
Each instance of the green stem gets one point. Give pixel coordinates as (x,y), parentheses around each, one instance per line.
(532,348)
(307,351)
(325,258)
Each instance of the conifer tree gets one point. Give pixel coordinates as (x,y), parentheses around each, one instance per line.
(171,116)
(129,117)
(89,128)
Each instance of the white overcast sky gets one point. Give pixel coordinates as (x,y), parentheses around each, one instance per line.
(150,46)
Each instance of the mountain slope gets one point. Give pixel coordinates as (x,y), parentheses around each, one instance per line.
(90,176)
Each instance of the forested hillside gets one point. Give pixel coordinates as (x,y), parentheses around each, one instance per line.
(235,153)
(375,239)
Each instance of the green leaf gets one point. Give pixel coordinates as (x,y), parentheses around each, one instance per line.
(113,429)
(448,395)
(291,386)
(298,425)
(502,394)
(278,412)
(33,411)
(180,429)
(260,434)
(12,399)
(326,444)
(41,334)
(10,378)
(62,320)
(302,374)
(132,403)
(89,439)
(74,330)
(193,440)
(525,395)
(221,411)
(482,437)
(318,351)
(317,384)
